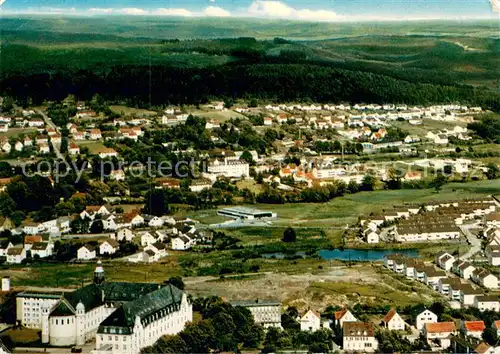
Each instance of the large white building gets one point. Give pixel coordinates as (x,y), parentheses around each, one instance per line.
(229,168)
(265,312)
(121,317)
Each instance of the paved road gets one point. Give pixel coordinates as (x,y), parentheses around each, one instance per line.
(473,240)
(51,124)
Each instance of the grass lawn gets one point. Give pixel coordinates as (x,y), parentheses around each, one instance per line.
(93,146)
(428,125)
(346,210)
(72,275)
(13,132)
(129,111)
(220,116)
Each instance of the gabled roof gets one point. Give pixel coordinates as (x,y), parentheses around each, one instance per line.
(340,314)
(474,326)
(482,348)
(315,313)
(358,329)
(111,242)
(389,316)
(63,308)
(40,246)
(440,327)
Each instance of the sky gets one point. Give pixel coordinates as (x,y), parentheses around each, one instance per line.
(306,10)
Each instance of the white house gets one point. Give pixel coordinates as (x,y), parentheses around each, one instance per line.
(425,317)
(393,321)
(180,243)
(42,249)
(124,234)
(311,321)
(147,239)
(344,316)
(359,337)
(155,221)
(487,303)
(86,252)
(15,255)
(445,260)
(137,220)
(109,247)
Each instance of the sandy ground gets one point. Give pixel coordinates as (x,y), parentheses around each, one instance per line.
(334,286)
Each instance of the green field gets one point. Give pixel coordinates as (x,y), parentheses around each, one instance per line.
(347,209)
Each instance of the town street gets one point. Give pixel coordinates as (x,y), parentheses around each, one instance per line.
(473,240)
(51,124)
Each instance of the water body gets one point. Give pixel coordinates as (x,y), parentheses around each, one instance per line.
(363,255)
(351,254)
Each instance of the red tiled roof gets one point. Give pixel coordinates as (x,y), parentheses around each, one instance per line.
(474,326)
(340,314)
(497,324)
(389,315)
(32,239)
(440,327)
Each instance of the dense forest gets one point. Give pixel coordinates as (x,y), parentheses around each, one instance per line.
(156,85)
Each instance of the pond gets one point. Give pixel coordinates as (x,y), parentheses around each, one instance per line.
(350,254)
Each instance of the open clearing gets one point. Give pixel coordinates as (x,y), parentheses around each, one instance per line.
(128,111)
(339,285)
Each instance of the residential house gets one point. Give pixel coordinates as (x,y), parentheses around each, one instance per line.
(86,253)
(124,234)
(484,278)
(109,247)
(393,321)
(487,303)
(73,149)
(465,270)
(16,255)
(107,152)
(468,295)
(18,146)
(147,238)
(445,260)
(43,148)
(484,348)
(158,248)
(439,332)
(42,249)
(5,145)
(432,276)
(343,316)
(181,243)
(30,240)
(473,328)
(95,134)
(4,247)
(155,221)
(32,228)
(311,321)
(424,318)
(359,337)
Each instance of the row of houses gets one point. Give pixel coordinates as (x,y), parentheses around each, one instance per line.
(433,221)
(452,288)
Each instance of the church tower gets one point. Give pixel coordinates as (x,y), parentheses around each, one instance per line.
(99,274)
